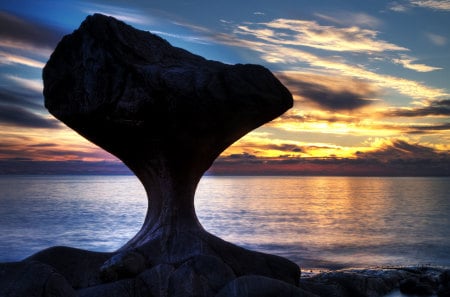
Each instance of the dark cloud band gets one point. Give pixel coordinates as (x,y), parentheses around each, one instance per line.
(28,31)
(18,116)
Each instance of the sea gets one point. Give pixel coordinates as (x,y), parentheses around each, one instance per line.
(317,222)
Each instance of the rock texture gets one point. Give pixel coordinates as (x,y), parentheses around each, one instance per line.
(413,281)
(167,114)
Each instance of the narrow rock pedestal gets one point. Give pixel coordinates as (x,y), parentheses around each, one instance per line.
(167,114)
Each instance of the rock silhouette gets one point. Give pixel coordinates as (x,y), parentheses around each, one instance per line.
(167,114)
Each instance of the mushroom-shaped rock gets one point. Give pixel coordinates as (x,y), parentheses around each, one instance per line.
(167,114)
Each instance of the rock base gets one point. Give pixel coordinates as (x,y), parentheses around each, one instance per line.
(89,274)
(221,269)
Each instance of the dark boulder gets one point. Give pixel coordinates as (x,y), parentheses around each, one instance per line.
(355,282)
(422,286)
(260,286)
(79,267)
(444,284)
(32,279)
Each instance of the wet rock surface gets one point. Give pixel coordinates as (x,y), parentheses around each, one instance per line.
(413,281)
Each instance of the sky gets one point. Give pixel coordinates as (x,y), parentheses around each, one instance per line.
(370,81)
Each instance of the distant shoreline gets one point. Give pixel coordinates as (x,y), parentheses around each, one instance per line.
(2,174)
(240,167)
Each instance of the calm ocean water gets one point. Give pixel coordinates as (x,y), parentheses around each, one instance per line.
(317,222)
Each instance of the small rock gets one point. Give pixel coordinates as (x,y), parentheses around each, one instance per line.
(417,286)
(32,279)
(121,288)
(79,267)
(123,265)
(444,284)
(444,278)
(201,276)
(157,279)
(261,286)
(443,291)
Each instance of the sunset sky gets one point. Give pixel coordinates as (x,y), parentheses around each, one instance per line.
(370,79)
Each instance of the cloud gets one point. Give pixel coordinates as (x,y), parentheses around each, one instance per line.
(398,149)
(21,105)
(21,98)
(326,98)
(437,39)
(293,56)
(428,128)
(25,166)
(34,85)
(391,158)
(305,33)
(433,4)
(18,116)
(21,33)
(346,18)
(408,63)
(190,38)
(124,14)
(8,59)
(337,94)
(435,108)
(397,7)
(50,147)
(361,127)
(25,42)
(439,5)
(286,147)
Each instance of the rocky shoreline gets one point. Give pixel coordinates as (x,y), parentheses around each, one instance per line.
(372,282)
(202,276)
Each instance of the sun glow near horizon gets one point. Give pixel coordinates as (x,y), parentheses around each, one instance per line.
(363,89)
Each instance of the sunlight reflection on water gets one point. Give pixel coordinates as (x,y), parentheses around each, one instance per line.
(325,222)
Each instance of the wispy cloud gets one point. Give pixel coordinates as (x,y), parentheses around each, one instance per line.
(394,157)
(438,5)
(283,42)
(433,4)
(21,97)
(59,144)
(436,39)
(410,63)
(395,149)
(435,108)
(21,117)
(330,93)
(201,39)
(8,59)
(21,104)
(346,18)
(35,85)
(306,33)
(397,7)
(124,14)
(20,33)
(269,145)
